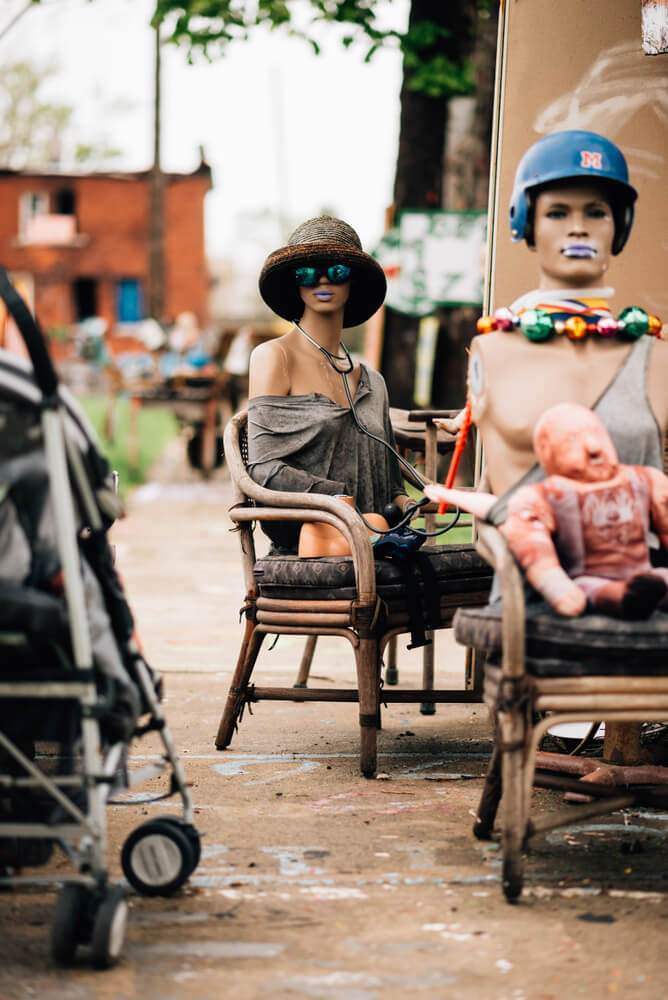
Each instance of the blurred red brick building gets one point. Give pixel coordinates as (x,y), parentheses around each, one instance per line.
(79,243)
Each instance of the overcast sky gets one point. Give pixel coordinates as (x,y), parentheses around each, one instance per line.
(283,129)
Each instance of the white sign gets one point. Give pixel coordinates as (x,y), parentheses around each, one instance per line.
(434,259)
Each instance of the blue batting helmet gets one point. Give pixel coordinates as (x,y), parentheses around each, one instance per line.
(573,153)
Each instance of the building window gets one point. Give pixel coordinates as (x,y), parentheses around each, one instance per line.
(31,204)
(129,301)
(65,202)
(85,298)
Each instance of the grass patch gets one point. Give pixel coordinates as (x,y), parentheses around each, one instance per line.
(156,426)
(459,535)
(455,536)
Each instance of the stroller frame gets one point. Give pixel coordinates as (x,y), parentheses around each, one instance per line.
(161,854)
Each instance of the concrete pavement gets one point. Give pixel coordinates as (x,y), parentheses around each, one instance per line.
(314,883)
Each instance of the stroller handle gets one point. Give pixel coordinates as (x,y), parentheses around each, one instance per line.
(45,373)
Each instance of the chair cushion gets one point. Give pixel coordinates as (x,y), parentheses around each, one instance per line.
(459,569)
(558,646)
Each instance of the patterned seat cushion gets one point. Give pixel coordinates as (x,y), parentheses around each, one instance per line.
(458,568)
(558,646)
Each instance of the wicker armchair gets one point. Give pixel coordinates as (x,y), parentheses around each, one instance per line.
(356,597)
(543,669)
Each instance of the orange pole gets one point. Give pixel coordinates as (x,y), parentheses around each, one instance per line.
(460,444)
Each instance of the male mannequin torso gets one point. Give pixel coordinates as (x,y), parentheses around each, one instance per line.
(513,381)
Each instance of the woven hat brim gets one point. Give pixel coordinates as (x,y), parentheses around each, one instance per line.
(279,289)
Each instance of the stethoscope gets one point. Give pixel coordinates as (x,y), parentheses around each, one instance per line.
(345,358)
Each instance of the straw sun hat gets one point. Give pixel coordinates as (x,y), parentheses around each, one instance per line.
(323,240)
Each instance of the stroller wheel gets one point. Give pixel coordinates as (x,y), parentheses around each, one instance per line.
(109,928)
(191,833)
(71,922)
(157,858)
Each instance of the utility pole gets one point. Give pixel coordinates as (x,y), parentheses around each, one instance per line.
(156,289)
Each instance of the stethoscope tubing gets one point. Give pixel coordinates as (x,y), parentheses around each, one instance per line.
(332,359)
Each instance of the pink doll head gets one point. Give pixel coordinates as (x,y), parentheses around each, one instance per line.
(571,441)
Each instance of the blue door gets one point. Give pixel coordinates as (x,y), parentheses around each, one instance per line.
(129,301)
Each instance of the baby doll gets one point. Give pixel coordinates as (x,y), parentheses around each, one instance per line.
(581,535)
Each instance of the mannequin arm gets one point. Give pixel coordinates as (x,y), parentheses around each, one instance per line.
(471,501)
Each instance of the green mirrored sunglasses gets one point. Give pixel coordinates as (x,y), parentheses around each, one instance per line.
(306,277)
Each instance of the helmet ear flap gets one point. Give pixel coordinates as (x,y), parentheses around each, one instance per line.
(623,215)
(518,214)
(530,212)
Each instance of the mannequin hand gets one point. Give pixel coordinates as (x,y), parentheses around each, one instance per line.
(405,504)
(450,425)
(400,508)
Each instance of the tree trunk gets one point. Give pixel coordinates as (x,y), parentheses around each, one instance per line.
(465,188)
(419,175)
(428,177)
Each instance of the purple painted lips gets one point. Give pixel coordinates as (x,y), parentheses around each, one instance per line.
(580,251)
(324,295)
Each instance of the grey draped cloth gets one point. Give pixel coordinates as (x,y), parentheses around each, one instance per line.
(310,444)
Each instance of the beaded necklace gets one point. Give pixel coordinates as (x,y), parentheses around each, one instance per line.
(540,324)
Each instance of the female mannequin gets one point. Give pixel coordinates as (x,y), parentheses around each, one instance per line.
(302,431)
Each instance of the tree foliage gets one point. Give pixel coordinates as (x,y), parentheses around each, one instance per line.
(38,132)
(210,26)
(30,125)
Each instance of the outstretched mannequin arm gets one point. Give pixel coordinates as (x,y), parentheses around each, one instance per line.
(478,504)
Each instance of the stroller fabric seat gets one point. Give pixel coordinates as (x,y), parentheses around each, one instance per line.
(27,609)
(568,647)
(457,569)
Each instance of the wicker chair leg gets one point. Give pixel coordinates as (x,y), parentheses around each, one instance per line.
(250,647)
(428,707)
(366,658)
(306,661)
(391,670)
(515,808)
(475,669)
(490,798)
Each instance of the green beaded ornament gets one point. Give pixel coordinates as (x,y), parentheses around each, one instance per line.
(635,322)
(536,324)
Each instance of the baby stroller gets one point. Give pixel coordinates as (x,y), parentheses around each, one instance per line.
(71,672)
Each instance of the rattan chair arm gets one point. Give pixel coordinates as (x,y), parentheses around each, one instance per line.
(277,505)
(493,547)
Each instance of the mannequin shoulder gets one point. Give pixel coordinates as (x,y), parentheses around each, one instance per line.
(375,379)
(490,353)
(269,370)
(501,345)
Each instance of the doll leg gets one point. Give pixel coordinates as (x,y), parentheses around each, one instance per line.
(633,599)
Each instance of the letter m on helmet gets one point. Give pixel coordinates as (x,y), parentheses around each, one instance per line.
(591,161)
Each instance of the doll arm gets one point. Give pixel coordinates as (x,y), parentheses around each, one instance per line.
(528,531)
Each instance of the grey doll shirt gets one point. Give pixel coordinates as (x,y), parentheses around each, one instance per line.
(311,444)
